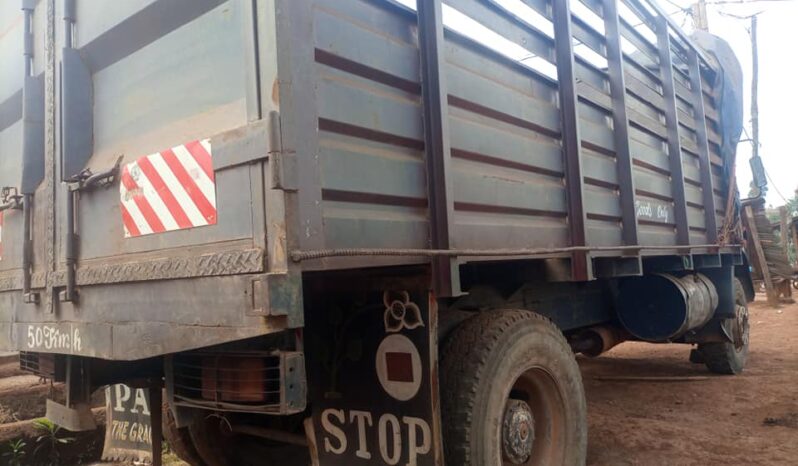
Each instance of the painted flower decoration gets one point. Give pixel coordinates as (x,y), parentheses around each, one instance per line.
(400,312)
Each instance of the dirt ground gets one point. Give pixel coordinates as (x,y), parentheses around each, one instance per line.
(751,419)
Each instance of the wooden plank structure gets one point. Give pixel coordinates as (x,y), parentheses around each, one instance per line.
(768,253)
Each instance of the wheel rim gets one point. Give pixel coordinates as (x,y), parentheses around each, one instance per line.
(741,328)
(532,431)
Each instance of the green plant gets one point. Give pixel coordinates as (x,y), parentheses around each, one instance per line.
(49,440)
(16,452)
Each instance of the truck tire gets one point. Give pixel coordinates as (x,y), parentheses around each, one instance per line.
(211,445)
(179,440)
(511,393)
(730,358)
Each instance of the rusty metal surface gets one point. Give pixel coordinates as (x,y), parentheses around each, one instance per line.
(222,263)
(672,124)
(390,140)
(437,143)
(299,256)
(506,135)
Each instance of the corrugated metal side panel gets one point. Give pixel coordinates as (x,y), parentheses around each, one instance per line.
(504,127)
(506,156)
(370,140)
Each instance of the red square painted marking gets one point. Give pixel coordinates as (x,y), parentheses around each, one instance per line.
(399,367)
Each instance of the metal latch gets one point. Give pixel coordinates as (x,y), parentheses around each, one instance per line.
(82,182)
(86,180)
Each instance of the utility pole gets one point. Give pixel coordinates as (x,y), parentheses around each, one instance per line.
(754,89)
(700,20)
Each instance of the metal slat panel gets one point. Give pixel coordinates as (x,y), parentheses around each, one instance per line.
(590,37)
(643,107)
(510,231)
(600,168)
(343,37)
(603,232)
(350,164)
(639,41)
(366,104)
(602,202)
(466,54)
(357,225)
(377,16)
(645,137)
(508,26)
(531,112)
(657,235)
(641,72)
(507,145)
(696,217)
(645,92)
(648,155)
(693,194)
(655,212)
(589,73)
(484,185)
(653,183)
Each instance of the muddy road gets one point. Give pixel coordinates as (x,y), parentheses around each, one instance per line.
(750,419)
(697,419)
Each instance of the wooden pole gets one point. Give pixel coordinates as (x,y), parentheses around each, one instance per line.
(754,89)
(760,256)
(794,231)
(784,232)
(700,20)
(156,423)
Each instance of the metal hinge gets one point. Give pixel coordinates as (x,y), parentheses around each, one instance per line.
(258,141)
(282,163)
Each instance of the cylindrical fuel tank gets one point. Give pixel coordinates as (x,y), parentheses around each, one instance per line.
(663,307)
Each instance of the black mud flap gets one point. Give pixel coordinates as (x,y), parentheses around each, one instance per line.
(133,430)
(373,378)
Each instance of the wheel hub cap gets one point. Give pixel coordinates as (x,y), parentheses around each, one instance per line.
(741,327)
(518,432)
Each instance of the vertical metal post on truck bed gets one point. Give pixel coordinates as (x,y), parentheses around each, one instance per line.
(571,139)
(620,126)
(707,188)
(446,280)
(672,125)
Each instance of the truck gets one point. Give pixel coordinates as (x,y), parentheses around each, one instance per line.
(363,231)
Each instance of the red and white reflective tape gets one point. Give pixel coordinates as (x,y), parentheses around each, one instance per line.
(174,189)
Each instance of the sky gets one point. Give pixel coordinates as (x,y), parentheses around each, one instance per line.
(778,76)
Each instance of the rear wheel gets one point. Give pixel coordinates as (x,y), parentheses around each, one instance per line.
(179,439)
(730,358)
(511,393)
